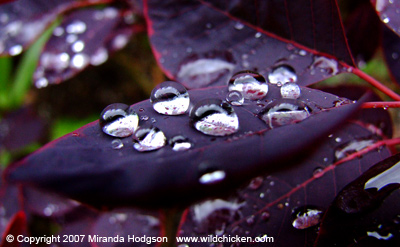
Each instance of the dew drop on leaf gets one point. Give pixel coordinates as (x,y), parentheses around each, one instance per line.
(305,217)
(170,98)
(80,60)
(256,182)
(283,112)
(351,147)
(214,117)
(251,84)
(148,138)
(180,143)
(212,177)
(235,98)
(76,27)
(326,65)
(117,144)
(282,74)
(290,91)
(118,120)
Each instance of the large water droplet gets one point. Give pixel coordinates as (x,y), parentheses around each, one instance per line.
(290,91)
(212,177)
(148,139)
(214,117)
(305,217)
(170,98)
(251,84)
(351,147)
(235,98)
(282,74)
(283,112)
(118,120)
(180,143)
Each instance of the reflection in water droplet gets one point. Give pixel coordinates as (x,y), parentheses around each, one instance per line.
(251,84)
(117,144)
(282,74)
(118,120)
(305,217)
(212,177)
(180,143)
(214,117)
(235,98)
(283,112)
(351,147)
(148,139)
(170,98)
(290,91)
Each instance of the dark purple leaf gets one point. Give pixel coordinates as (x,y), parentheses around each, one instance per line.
(361,25)
(200,43)
(22,21)
(366,211)
(21,128)
(9,205)
(84,166)
(388,11)
(288,205)
(85,37)
(391,49)
(17,226)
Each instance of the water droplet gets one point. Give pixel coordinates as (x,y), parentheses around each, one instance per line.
(305,217)
(71,38)
(117,144)
(180,143)
(256,182)
(214,117)
(144,118)
(76,27)
(282,74)
(351,147)
(58,31)
(78,46)
(110,13)
(120,41)
(302,53)
(239,26)
(395,55)
(338,139)
(57,62)
(379,236)
(170,98)
(41,83)
(318,172)
(148,139)
(15,50)
(50,209)
(290,91)
(99,57)
(118,120)
(283,112)
(327,65)
(209,25)
(251,84)
(250,220)
(212,177)
(265,215)
(257,35)
(386,20)
(79,60)
(262,195)
(235,98)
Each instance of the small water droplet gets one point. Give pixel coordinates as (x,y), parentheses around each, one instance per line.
(305,217)
(386,20)
(290,91)
(118,120)
(280,206)
(212,177)
(71,38)
(79,60)
(257,35)
(379,236)
(302,53)
(99,57)
(57,62)
(148,138)
(327,65)
(265,215)
(351,147)
(58,31)
(250,220)
(338,139)
(41,83)
(318,172)
(214,117)
(395,55)
(282,74)
(117,144)
(209,25)
(239,26)
(251,84)
(120,41)
(180,143)
(283,112)
(235,98)
(49,210)
(262,195)
(170,98)
(76,27)
(15,50)
(78,46)
(256,182)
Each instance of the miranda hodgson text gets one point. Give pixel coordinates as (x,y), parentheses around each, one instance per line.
(130,238)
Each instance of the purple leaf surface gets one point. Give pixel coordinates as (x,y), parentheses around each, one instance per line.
(290,202)
(366,211)
(388,11)
(85,37)
(79,163)
(391,49)
(200,43)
